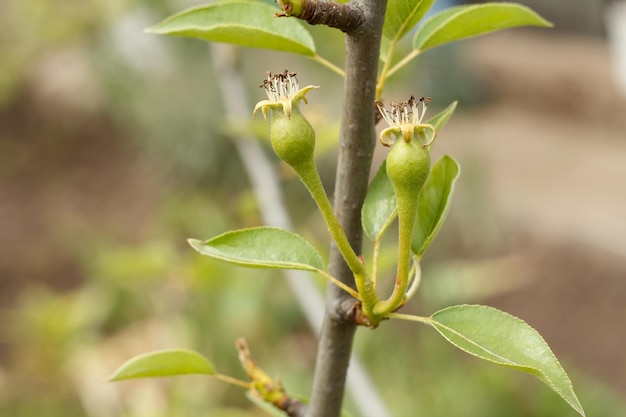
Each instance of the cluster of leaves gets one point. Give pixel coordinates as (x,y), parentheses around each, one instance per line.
(482,331)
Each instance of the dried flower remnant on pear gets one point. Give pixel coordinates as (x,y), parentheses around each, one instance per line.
(405,120)
(283,93)
(292,136)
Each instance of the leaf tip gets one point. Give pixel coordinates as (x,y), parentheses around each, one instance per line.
(542,22)
(151,29)
(194,243)
(116,376)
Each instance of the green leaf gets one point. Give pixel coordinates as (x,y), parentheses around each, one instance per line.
(402,15)
(261,247)
(242,22)
(463,22)
(168,362)
(380,207)
(434,202)
(440,119)
(503,339)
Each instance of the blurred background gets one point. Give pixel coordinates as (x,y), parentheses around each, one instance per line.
(115,147)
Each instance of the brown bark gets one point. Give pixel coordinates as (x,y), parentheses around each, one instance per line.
(358,138)
(343,16)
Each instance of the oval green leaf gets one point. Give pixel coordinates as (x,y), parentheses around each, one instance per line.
(434,202)
(163,363)
(501,338)
(402,15)
(261,247)
(463,22)
(380,207)
(240,22)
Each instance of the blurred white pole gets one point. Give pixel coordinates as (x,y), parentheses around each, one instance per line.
(266,187)
(615,17)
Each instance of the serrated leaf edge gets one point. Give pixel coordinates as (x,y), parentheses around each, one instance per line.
(141,356)
(463,9)
(310,51)
(194,243)
(506,362)
(437,28)
(156,28)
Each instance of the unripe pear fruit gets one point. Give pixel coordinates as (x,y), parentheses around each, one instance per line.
(293,138)
(408,165)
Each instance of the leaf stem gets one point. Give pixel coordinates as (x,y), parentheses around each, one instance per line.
(403,62)
(310,177)
(329,65)
(338,283)
(411,317)
(406,222)
(382,78)
(375,253)
(416,273)
(233,381)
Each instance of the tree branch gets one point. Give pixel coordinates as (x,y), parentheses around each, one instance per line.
(266,388)
(343,16)
(358,138)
